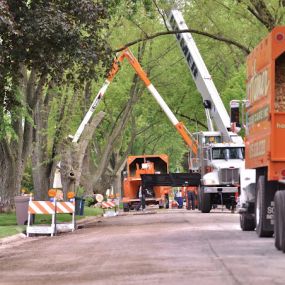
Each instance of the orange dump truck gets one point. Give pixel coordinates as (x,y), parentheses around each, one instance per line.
(137,166)
(263,203)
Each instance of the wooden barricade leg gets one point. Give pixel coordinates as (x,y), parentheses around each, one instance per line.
(29,218)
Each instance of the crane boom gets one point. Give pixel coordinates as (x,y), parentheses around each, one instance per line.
(201,76)
(181,128)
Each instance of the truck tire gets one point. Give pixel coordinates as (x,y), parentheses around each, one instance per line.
(205,201)
(199,200)
(247,222)
(260,209)
(279,220)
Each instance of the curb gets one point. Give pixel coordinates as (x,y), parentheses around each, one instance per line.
(22,236)
(6,240)
(79,225)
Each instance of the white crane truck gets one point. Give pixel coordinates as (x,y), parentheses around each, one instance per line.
(220,158)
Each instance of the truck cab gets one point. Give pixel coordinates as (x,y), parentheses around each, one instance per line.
(219,164)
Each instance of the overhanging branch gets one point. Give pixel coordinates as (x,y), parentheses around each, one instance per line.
(244,49)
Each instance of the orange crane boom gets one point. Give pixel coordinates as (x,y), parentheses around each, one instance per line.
(126,53)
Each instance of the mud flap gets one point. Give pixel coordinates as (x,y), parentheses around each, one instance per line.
(265,207)
(271,188)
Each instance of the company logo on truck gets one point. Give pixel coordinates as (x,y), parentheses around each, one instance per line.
(257,148)
(258,116)
(258,85)
(280,125)
(184,48)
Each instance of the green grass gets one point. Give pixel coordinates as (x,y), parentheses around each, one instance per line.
(8,222)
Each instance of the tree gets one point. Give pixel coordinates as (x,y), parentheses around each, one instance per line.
(53,40)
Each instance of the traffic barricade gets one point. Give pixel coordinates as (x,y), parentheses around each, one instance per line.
(41,208)
(53,208)
(66,208)
(107,206)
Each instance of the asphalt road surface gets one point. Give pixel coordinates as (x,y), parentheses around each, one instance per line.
(167,247)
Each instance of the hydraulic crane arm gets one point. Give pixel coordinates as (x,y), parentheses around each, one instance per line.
(213,104)
(185,134)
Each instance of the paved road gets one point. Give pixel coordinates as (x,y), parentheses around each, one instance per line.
(174,247)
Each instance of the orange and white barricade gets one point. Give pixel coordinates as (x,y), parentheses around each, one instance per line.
(52,208)
(66,208)
(106,206)
(41,208)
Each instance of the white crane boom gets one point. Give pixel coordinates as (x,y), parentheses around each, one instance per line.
(201,76)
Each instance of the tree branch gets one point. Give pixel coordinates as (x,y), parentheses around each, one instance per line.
(192,120)
(244,49)
(261,12)
(161,14)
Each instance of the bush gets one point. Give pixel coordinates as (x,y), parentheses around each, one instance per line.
(89,200)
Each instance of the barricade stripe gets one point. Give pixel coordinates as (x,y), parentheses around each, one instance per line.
(65,207)
(34,208)
(108,204)
(60,208)
(48,206)
(40,208)
(31,210)
(42,205)
(70,206)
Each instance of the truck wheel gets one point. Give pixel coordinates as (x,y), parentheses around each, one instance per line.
(199,199)
(279,220)
(205,201)
(247,222)
(126,207)
(260,209)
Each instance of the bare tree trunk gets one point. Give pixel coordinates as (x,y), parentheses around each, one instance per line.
(72,155)
(117,131)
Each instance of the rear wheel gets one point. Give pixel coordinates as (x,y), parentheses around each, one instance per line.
(279,220)
(205,201)
(247,222)
(260,209)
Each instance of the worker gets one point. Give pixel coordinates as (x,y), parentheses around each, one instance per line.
(166,199)
(191,197)
(144,191)
(141,194)
(179,199)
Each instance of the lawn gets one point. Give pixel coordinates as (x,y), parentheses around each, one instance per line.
(8,223)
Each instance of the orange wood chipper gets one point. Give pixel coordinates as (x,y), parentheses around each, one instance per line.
(136,166)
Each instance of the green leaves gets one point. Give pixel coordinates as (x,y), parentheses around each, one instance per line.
(54,36)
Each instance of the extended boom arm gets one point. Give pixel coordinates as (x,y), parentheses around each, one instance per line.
(185,134)
(213,104)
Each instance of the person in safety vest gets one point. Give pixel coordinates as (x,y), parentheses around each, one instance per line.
(191,197)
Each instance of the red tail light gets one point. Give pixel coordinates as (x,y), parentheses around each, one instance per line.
(279,37)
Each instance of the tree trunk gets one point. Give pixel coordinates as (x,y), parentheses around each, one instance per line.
(41,160)
(8,187)
(14,152)
(72,156)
